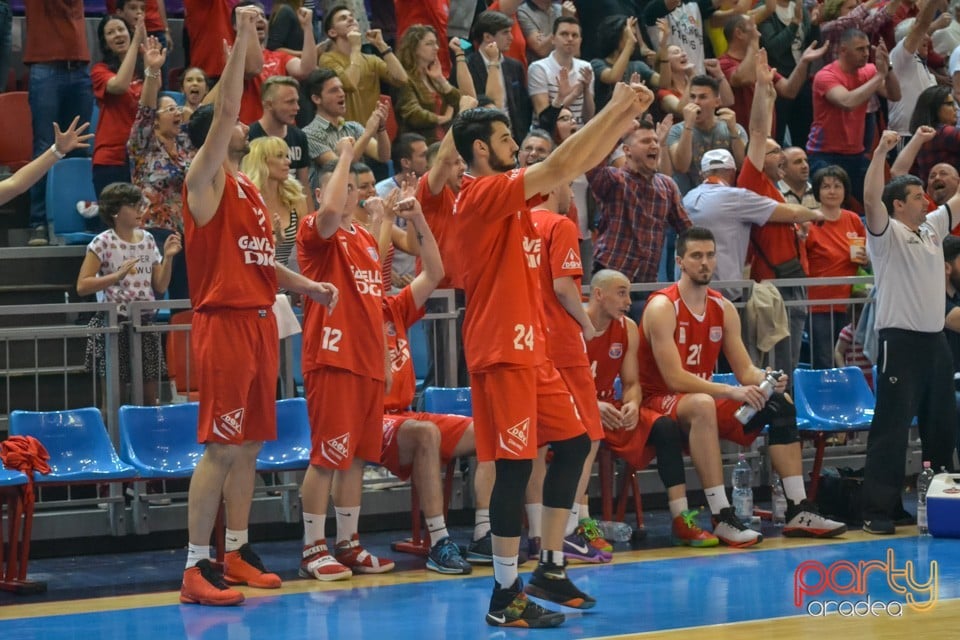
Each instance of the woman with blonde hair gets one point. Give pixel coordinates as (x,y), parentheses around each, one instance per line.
(427,102)
(268,166)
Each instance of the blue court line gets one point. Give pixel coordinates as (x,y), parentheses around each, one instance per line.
(634,597)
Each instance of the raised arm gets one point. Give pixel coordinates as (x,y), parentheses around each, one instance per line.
(205,178)
(876,217)
(445,164)
(153,58)
(432,273)
(64,142)
(790,87)
(461,70)
(590,145)
(908,155)
(334,198)
(128,66)
(304,65)
(681,151)
(761,111)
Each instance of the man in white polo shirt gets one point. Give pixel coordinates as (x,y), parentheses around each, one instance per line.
(914,372)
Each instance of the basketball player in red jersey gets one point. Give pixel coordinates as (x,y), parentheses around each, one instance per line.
(519,401)
(233,282)
(566,323)
(635,433)
(346,370)
(684,328)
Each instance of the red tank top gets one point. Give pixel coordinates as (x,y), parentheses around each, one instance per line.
(606,353)
(698,340)
(230,264)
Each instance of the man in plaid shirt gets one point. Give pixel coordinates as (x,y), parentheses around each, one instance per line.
(635,205)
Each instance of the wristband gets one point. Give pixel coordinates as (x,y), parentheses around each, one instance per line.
(386,51)
(152,74)
(56,152)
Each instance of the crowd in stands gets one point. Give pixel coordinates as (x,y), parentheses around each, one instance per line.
(758,125)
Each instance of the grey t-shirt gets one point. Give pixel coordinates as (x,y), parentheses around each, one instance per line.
(716,138)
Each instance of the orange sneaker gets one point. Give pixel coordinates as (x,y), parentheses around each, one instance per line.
(317,563)
(685,531)
(243,566)
(202,584)
(350,554)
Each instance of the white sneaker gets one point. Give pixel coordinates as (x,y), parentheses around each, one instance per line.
(804,521)
(732,532)
(317,563)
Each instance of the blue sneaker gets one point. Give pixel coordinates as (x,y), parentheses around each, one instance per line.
(445,557)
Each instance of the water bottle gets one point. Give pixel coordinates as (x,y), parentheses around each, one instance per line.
(743,490)
(923,483)
(779,500)
(745,413)
(615,531)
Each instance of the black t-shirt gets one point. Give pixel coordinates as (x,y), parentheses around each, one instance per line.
(953,338)
(295,139)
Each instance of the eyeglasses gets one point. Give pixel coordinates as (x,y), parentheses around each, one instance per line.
(572,119)
(778,150)
(171,109)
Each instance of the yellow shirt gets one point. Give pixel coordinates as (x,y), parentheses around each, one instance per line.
(361,99)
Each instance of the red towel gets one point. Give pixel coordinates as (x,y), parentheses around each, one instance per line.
(24,453)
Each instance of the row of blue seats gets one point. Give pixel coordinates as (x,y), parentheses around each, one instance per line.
(160,442)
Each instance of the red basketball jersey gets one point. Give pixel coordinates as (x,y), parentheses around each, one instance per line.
(351,337)
(231,259)
(399,313)
(699,341)
(559,257)
(606,352)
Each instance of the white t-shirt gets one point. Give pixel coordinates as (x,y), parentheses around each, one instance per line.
(913,77)
(908,267)
(686,31)
(112,252)
(542,79)
(729,212)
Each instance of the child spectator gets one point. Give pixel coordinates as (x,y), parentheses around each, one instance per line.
(848,353)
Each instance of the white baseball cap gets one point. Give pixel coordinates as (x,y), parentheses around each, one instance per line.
(717,159)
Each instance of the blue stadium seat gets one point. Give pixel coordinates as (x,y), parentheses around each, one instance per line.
(725,378)
(11,478)
(419,350)
(831,401)
(177,96)
(69,181)
(450,400)
(78,443)
(291,450)
(161,442)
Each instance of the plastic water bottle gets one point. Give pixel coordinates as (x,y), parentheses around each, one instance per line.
(615,531)
(743,490)
(779,500)
(923,483)
(745,413)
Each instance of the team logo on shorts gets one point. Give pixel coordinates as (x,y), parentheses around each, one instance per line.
(517,437)
(336,449)
(572,261)
(716,334)
(616,350)
(229,426)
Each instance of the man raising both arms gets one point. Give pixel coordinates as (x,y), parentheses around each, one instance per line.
(519,400)
(233,284)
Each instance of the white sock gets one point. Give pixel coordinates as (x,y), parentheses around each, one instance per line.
(794,489)
(716,498)
(314,528)
(348,521)
(573,519)
(437,528)
(234,539)
(678,506)
(481,523)
(196,553)
(505,570)
(534,520)
(584,511)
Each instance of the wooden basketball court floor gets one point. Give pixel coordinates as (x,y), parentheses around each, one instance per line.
(872,587)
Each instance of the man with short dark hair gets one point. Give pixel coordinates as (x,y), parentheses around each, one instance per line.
(280,96)
(543,74)
(795,185)
(914,372)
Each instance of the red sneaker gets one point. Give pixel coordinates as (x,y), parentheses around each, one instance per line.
(317,563)
(349,553)
(202,584)
(685,531)
(243,566)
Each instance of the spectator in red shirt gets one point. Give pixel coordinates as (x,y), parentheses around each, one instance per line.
(740,67)
(195,87)
(836,246)
(208,24)
(116,86)
(275,63)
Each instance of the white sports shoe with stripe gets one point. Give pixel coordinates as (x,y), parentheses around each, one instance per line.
(350,554)
(732,532)
(317,563)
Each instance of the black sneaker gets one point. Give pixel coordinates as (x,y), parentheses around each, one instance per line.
(804,521)
(511,608)
(902,517)
(445,557)
(481,551)
(879,526)
(550,582)
(38,236)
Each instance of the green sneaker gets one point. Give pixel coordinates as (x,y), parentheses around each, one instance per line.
(591,531)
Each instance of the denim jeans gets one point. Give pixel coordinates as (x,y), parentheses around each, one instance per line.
(6,43)
(59,92)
